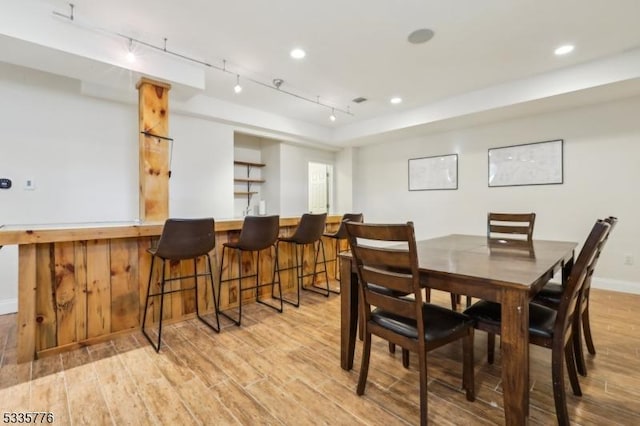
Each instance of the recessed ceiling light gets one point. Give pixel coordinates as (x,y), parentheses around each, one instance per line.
(420,36)
(563,50)
(298,53)
(396,100)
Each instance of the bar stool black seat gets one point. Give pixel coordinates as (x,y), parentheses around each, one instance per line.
(258,233)
(309,231)
(339,235)
(182,239)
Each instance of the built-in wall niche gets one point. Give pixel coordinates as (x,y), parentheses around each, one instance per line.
(246,183)
(248,174)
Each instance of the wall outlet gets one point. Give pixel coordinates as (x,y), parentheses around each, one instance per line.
(628,259)
(29,184)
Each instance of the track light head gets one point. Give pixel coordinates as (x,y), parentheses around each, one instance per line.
(237,88)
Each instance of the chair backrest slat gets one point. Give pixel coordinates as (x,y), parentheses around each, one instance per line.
(388,303)
(393,280)
(518,225)
(384,256)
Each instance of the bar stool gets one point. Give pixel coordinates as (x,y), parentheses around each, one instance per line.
(182,239)
(309,231)
(339,235)
(258,233)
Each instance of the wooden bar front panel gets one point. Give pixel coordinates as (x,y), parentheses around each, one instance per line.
(83,291)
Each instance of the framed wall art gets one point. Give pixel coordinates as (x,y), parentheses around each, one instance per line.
(539,163)
(433,173)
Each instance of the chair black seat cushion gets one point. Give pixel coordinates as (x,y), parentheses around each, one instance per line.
(439,322)
(541,318)
(550,295)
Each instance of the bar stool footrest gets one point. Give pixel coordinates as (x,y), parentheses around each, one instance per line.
(315,289)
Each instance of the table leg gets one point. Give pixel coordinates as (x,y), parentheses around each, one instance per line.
(566,270)
(515,356)
(348,313)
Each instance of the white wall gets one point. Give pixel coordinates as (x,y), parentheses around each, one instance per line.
(344,180)
(271,174)
(294,176)
(601,178)
(201,181)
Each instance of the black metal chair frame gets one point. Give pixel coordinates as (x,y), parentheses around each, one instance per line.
(299,268)
(255,287)
(162,293)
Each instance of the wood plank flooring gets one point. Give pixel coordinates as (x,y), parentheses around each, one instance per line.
(284,369)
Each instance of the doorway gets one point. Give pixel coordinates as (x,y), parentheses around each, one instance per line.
(320,187)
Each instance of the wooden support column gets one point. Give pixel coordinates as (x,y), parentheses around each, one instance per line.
(153,107)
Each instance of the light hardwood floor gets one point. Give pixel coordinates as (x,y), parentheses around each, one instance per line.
(284,369)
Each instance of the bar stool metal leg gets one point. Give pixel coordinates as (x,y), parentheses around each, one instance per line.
(326,291)
(281,297)
(216,327)
(257,285)
(161,294)
(220,281)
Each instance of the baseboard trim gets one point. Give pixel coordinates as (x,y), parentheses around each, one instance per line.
(616,285)
(8,306)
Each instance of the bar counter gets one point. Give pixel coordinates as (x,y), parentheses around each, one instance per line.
(83,283)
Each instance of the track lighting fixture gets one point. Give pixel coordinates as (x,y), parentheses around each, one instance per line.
(275,84)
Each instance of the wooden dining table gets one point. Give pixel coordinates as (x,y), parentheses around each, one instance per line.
(471,265)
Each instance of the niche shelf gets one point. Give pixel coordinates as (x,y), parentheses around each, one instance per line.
(248,180)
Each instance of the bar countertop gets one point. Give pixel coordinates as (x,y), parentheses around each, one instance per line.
(56,232)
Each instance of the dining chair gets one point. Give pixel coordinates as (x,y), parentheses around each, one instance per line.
(182,239)
(551,296)
(548,327)
(405,321)
(309,232)
(258,233)
(510,230)
(338,236)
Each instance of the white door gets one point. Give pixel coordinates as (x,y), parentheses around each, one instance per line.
(320,187)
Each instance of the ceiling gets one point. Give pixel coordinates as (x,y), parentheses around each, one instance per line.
(354,48)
